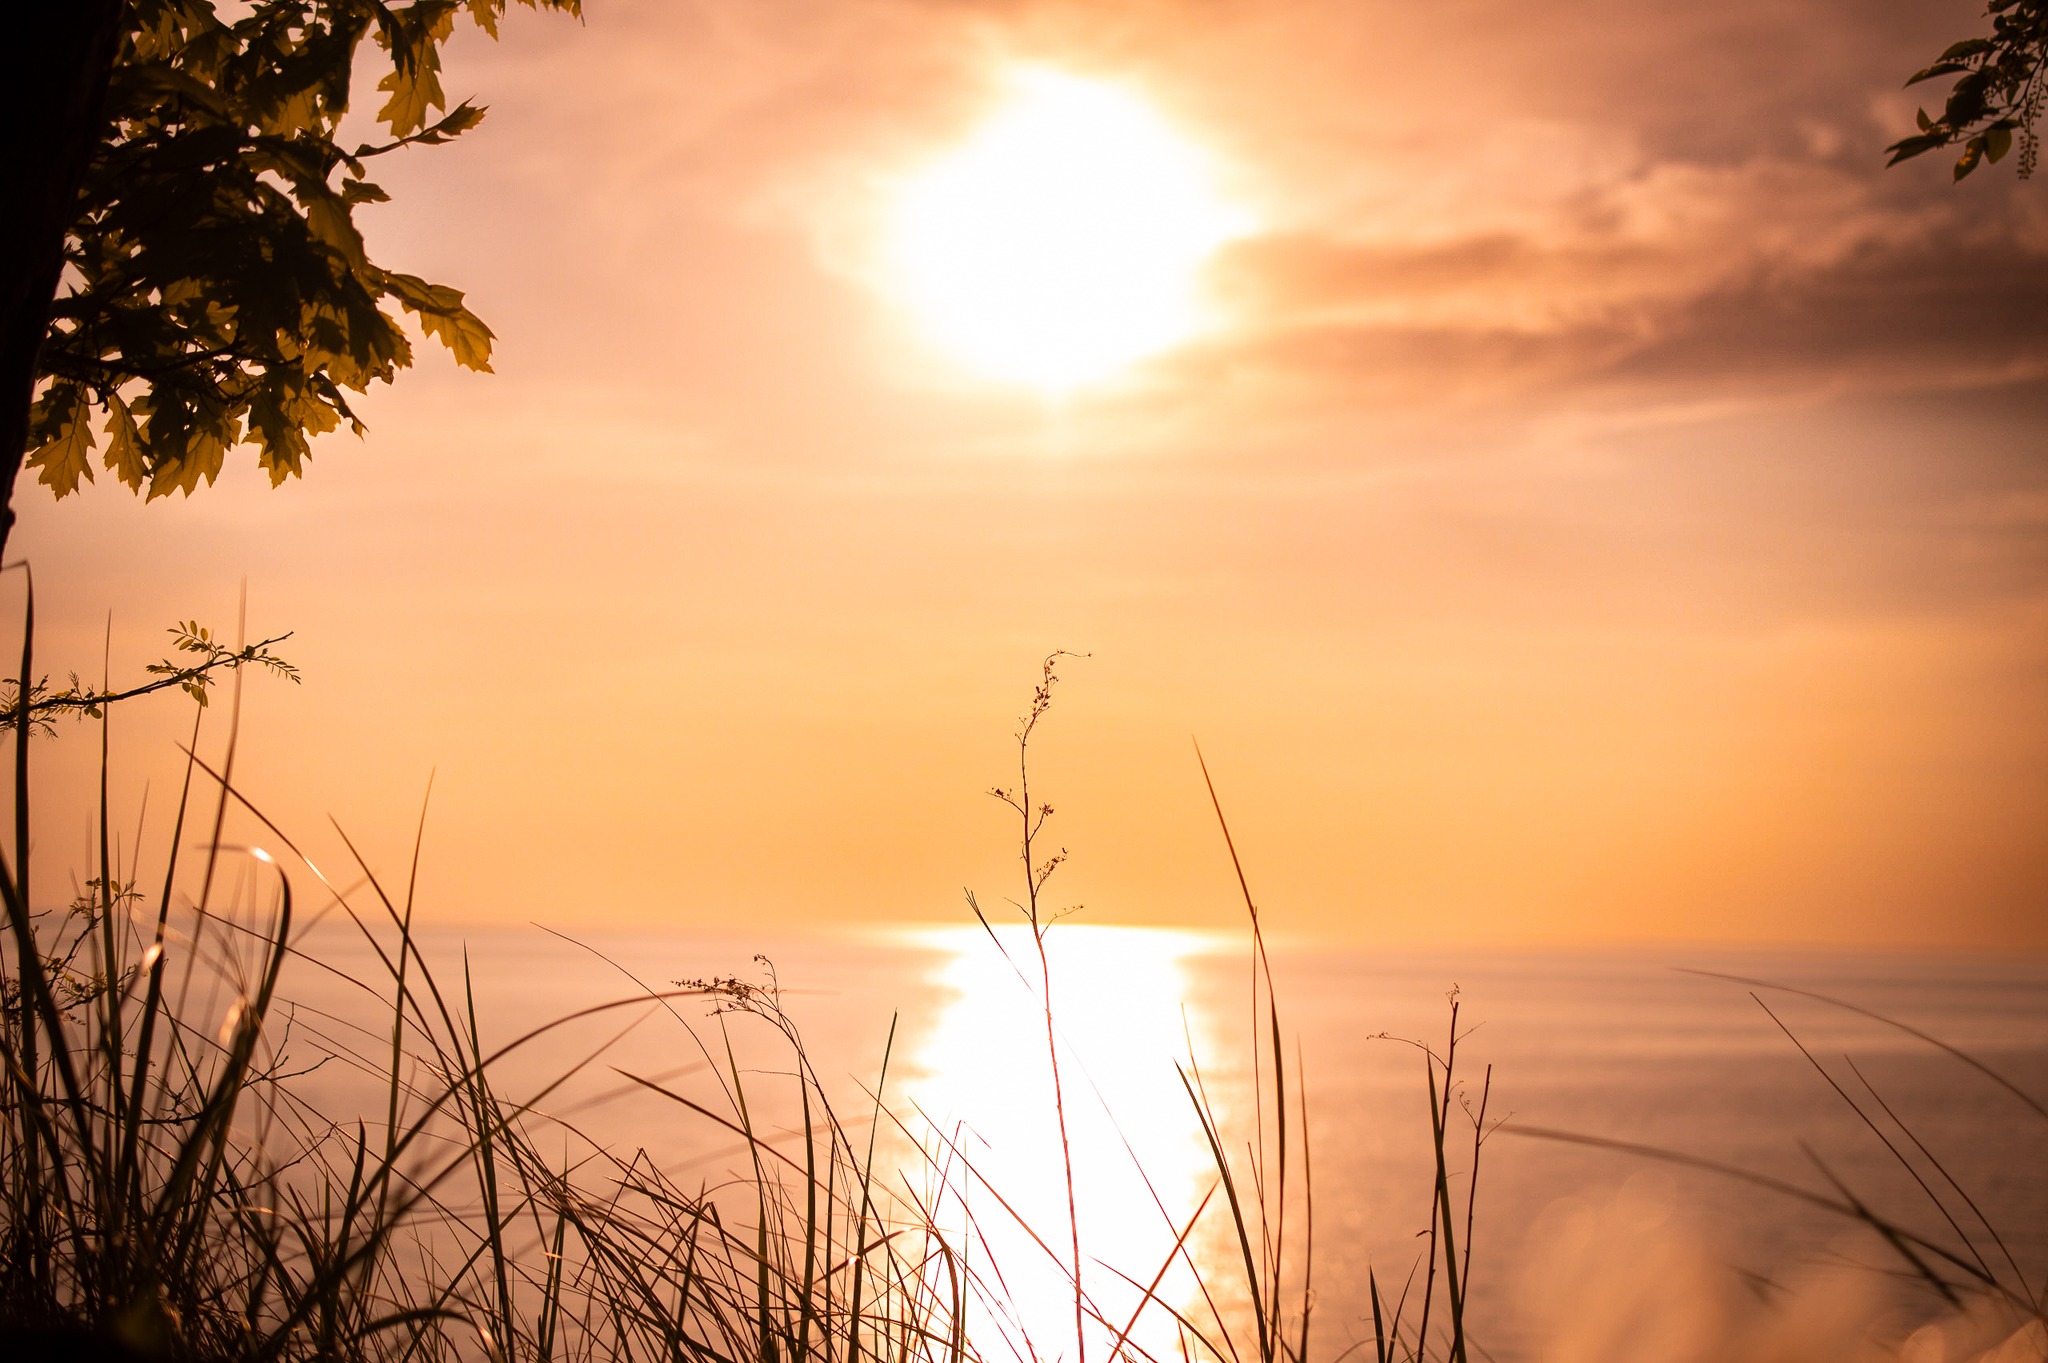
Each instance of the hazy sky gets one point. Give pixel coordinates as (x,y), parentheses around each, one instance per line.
(1616,508)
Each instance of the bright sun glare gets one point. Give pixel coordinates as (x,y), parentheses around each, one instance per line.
(1064,239)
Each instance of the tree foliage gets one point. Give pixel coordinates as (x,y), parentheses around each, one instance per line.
(1997,93)
(216,290)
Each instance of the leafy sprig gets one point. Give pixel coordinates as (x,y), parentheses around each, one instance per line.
(194,674)
(1997,95)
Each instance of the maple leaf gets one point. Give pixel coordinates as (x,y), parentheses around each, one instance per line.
(413,93)
(202,458)
(444,318)
(415,80)
(465,335)
(328,218)
(280,443)
(65,454)
(124,445)
(297,111)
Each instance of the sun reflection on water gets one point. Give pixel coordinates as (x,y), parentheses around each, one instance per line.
(1124,1014)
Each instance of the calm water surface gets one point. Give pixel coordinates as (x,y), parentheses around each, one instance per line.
(1628,1046)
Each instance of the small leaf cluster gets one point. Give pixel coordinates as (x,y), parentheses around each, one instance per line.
(1997,94)
(74,986)
(217,291)
(194,678)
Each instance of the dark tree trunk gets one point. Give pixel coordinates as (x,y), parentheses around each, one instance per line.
(53,84)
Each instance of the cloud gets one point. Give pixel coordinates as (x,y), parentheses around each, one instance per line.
(1675,281)
(1621,321)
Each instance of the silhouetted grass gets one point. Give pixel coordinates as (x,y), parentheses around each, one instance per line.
(1970,1266)
(165,1182)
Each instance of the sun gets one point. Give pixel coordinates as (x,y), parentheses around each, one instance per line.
(1064,239)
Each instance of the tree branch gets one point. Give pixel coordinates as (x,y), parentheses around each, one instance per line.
(44,705)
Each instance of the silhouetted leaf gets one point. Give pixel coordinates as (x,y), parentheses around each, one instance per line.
(461,120)
(205,451)
(1973,152)
(443,317)
(465,335)
(62,426)
(327,217)
(1914,146)
(124,445)
(1938,69)
(415,79)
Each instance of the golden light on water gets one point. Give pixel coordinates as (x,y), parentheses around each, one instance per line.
(1064,239)
(1123,1001)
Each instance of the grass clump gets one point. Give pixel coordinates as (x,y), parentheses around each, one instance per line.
(1258,1304)
(168,1186)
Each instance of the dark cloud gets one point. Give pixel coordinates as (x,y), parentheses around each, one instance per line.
(1943,316)
(1932,314)
(1816,297)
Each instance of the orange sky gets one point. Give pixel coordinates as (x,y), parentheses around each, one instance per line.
(1617,510)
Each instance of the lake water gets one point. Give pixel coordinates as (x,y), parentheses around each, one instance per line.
(1635,1047)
